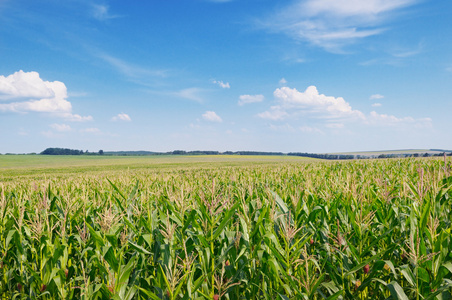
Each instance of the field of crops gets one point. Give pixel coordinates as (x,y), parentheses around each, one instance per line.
(287,229)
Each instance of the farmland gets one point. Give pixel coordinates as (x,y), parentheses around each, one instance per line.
(224,227)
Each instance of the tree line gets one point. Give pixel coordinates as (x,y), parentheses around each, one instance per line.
(66,151)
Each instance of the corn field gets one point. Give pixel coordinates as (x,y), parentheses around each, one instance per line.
(376,229)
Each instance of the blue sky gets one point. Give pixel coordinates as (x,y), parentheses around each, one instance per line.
(290,76)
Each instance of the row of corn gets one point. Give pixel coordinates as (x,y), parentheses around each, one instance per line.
(320,230)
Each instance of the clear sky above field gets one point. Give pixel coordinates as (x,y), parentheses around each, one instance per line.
(301,75)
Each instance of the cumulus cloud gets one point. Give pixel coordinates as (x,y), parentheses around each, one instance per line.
(212,117)
(376,96)
(222,84)
(61,127)
(26,85)
(121,117)
(245,99)
(291,102)
(283,82)
(331,112)
(331,24)
(24,92)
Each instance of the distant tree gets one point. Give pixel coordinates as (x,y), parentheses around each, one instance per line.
(179,152)
(61,151)
(101,152)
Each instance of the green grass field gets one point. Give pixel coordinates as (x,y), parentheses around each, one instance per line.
(219,227)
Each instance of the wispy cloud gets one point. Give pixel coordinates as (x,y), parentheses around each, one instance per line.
(404,52)
(193,94)
(390,120)
(121,117)
(309,129)
(376,104)
(102,12)
(333,24)
(376,96)
(61,127)
(128,69)
(91,130)
(245,99)
(284,127)
(190,94)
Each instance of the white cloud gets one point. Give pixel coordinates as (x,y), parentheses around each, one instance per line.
(26,92)
(351,8)
(122,117)
(275,113)
(211,116)
(75,117)
(308,129)
(132,71)
(101,12)
(404,52)
(245,99)
(222,84)
(389,120)
(311,104)
(190,94)
(61,127)
(92,130)
(376,104)
(283,82)
(376,96)
(26,85)
(332,24)
(332,112)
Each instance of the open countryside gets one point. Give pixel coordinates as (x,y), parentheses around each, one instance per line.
(226,150)
(230,227)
